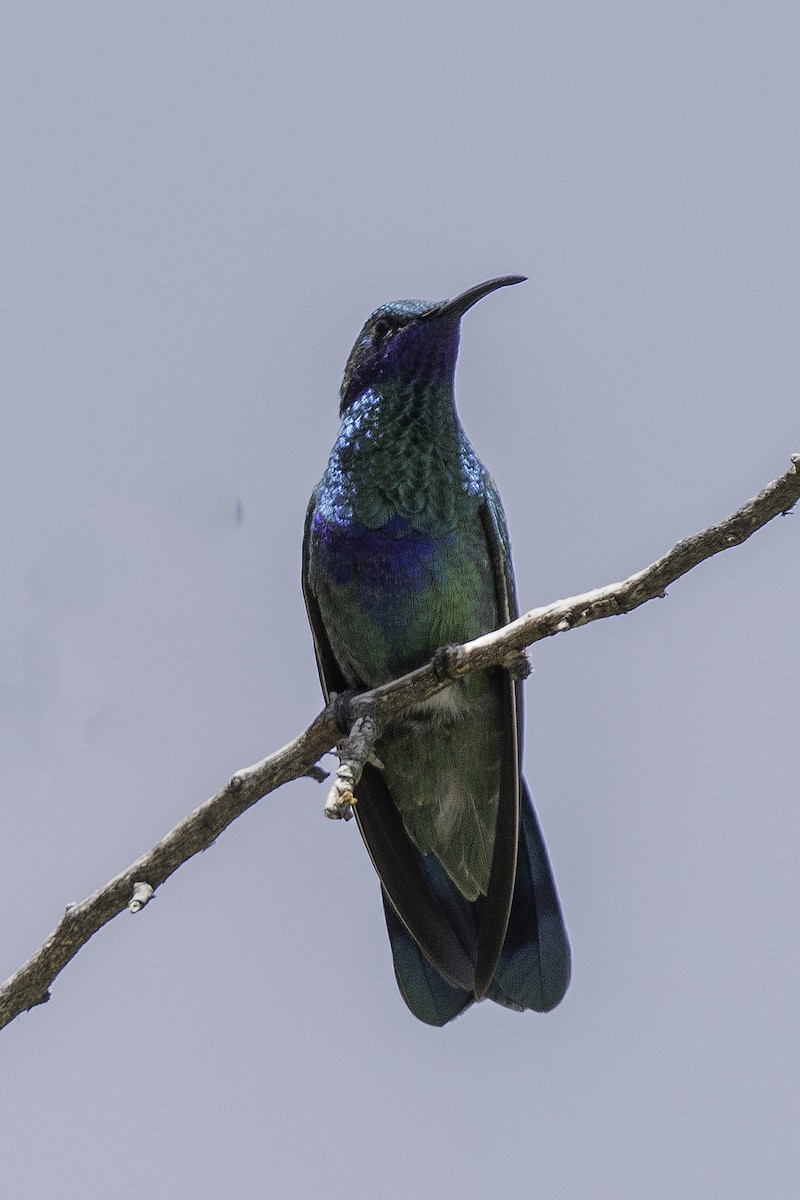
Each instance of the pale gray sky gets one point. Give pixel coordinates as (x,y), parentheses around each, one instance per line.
(201,204)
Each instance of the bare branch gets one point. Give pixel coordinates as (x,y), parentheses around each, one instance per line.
(367,713)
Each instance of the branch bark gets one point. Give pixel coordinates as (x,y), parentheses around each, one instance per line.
(134,887)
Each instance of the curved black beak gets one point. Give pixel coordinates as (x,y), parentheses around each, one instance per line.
(457,307)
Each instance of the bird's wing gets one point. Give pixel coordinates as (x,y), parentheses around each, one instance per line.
(330,673)
(534,967)
(523,949)
(500,893)
(394,856)
(429,996)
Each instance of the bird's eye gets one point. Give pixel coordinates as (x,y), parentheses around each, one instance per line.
(381,330)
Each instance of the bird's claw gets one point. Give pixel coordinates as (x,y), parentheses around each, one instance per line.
(343,708)
(519,664)
(445,661)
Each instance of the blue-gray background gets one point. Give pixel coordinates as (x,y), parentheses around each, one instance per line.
(201,204)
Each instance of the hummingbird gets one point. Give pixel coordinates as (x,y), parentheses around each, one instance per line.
(406,551)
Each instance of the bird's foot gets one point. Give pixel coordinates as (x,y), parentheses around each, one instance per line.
(343,708)
(519,664)
(445,663)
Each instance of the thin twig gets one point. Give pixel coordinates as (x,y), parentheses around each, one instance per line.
(132,888)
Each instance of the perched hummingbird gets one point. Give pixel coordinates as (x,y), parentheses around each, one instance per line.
(406,551)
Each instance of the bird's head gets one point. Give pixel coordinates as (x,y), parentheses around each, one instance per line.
(410,341)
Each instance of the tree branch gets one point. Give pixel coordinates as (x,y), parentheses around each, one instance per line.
(134,887)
